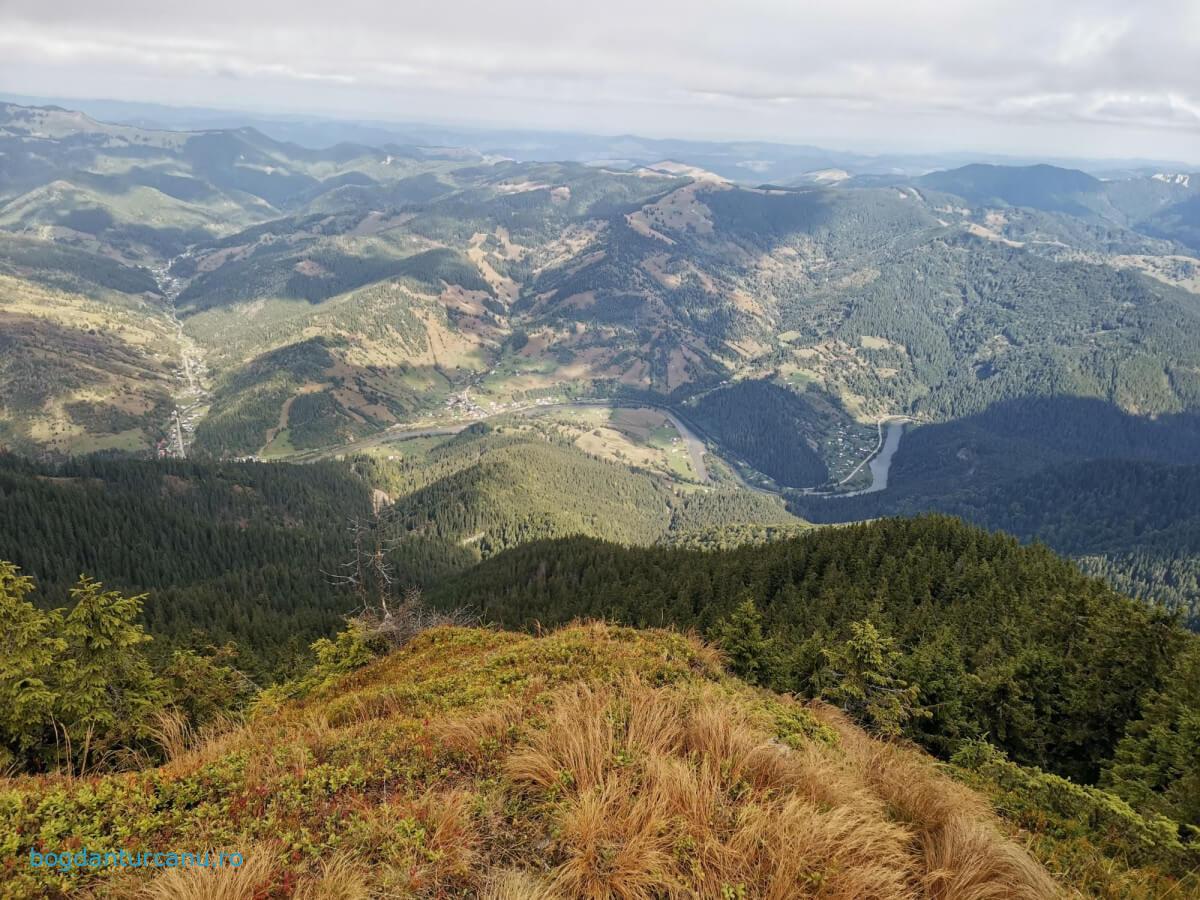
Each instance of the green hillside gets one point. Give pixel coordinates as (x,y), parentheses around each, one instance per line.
(294,304)
(83,368)
(1180,221)
(1112,490)
(497,492)
(425,274)
(977,645)
(1038,187)
(216,545)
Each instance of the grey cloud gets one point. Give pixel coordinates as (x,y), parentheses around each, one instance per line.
(1033,72)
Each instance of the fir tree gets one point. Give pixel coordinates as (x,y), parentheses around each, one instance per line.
(28,651)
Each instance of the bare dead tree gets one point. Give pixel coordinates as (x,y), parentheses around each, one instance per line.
(382,575)
(367,572)
(382,615)
(409,617)
(352,574)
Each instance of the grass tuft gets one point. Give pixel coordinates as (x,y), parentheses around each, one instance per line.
(245,882)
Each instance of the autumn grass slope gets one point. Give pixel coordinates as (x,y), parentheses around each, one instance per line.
(593,762)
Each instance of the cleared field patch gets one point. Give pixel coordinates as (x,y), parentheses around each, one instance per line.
(871,342)
(681,210)
(477,252)
(640,437)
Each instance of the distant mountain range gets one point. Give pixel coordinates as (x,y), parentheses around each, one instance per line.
(750,162)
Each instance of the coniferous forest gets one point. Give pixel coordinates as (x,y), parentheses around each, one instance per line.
(232,552)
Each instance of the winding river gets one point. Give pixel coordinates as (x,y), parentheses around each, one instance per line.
(881,462)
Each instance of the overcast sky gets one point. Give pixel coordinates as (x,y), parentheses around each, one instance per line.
(1053,77)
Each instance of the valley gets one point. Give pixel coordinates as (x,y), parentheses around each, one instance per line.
(192,395)
(588,413)
(879,463)
(471,513)
(362,299)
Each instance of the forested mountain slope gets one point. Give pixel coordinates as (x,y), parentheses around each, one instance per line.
(228,552)
(1115,490)
(1039,187)
(251,552)
(84,366)
(356,288)
(1133,522)
(1156,205)
(561,753)
(987,640)
(1009,640)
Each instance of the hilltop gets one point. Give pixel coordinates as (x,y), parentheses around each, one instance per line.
(596,761)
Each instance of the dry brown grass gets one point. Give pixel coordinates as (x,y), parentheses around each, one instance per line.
(173,732)
(189,749)
(966,860)
(511,884)
(245,882)
(478,735)
(962,852)
(791,848)
(678,792)
(341,878)
(603,786)
(576,746)
(709,659)
(615,843)
(452,839)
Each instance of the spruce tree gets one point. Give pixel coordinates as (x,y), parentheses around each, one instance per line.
(109,690)
(860,677)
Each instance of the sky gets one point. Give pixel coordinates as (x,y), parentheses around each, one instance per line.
(1078,78)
